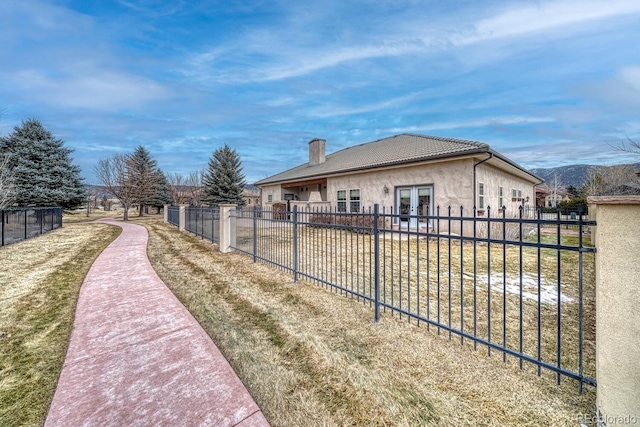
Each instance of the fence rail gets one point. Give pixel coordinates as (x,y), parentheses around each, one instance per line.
(523,287)
(173,215)
(203,222)
(24,223)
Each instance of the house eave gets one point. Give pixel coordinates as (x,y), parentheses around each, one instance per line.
(382,166)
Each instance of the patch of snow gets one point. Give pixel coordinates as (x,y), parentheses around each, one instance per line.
(548,290)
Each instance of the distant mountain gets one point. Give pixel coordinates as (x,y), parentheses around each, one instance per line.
(576,175)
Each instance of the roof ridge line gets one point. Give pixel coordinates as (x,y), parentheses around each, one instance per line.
(445,138)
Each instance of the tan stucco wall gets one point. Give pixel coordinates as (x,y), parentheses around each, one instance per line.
(301,194)
(275,191)
(493,178)
(451,183)
(618,305)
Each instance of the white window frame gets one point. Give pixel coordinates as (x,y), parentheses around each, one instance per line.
(481,196)
(341,205)
(353,201)
(516,195)
(500,197)
(270,198)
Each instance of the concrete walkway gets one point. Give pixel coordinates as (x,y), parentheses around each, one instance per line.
(138,358)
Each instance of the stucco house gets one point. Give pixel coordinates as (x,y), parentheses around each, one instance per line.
(407,174)
(251,196)
(548,197)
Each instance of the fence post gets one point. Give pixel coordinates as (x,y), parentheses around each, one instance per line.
(227,228)
(213,224)
(25,224)
(2,215)
(255,234)
(181,218)
(376,262)
(165,211)
(295,243)
(617,302)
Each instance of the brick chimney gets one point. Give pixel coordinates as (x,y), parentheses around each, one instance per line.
(316,151)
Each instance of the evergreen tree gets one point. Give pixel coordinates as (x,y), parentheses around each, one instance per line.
(144,173)
(41,167)
(223,181)
(6,182)
(161,194)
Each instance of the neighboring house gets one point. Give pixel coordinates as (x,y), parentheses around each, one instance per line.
(548,198)
(251,196)
(407,175)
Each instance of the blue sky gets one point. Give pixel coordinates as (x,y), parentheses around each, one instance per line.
(546,83)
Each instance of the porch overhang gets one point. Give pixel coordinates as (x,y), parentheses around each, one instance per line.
(304,183)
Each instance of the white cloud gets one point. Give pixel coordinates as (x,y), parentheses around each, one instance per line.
(631,76)
(43,19)
(475,123)
(547,16)
(334,110)
(268,53)
(621,90)
(90,89)
(154,7)
(283,61)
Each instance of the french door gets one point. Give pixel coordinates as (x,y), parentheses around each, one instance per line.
(413,202)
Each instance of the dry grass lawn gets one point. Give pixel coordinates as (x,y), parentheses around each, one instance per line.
(474,287)
(81,215)
(311,357)
(40,280)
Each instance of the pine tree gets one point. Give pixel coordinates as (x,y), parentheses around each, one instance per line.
(6,182)
(144,172)
(41,167)
(161,195)
(223,181)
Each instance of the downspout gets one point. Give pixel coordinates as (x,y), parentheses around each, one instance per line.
(475,183)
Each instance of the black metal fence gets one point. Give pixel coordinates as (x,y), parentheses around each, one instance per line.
(173,215)
(523,287)
(25,223)
(203,222)
(571,216)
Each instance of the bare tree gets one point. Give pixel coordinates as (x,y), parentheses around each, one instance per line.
(92,198)
(185,190)
(6,182)
(176,189)
(557,188)
(114,174)
(612,181)
(630,146)
(195,188)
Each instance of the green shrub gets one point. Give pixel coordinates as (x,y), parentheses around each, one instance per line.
(354,222)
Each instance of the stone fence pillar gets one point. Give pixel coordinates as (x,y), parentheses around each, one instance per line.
(182,218)
(227,227)
(165,211)
(617,308)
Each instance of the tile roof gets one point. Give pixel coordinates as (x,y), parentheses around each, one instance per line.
(399,149)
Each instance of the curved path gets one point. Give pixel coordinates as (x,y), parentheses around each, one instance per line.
(138,358)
